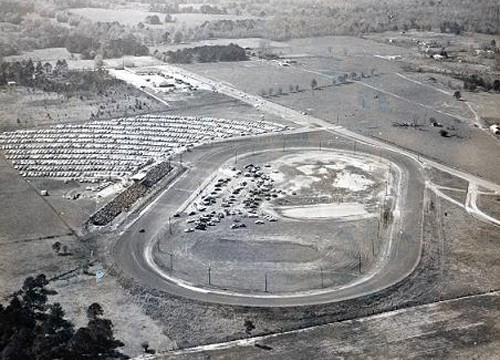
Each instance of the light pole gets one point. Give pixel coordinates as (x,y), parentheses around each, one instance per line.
(171,261)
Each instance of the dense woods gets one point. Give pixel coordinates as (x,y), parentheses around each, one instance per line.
(216,53)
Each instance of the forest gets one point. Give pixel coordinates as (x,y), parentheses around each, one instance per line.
(205,54)
(35,24)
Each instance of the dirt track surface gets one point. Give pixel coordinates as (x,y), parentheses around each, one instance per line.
(400,259)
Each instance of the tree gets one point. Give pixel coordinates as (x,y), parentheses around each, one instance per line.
(178,36)
(249,326)
(33,329)
(147,349)
(168,18)
(95,341)
(98,61)
(94,311)
(270,91)
(297,88)
(314,84)
(57,247)
(145,346)
(291,88)
(165,37)
(280,91)
(496,85)
(457,95)
(153,20)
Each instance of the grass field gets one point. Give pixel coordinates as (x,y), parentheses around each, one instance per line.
(133,17)
(25,215)
(440,331)
(374,105)
(23,107)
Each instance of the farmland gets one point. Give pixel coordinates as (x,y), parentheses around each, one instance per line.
(332,196)
(133,17)
(374,104)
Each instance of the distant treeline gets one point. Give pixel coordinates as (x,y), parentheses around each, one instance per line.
(111,40)
(54,78)
(206,54)
(29,24)
(474,82)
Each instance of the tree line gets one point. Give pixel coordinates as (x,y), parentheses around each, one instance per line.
(31,328)
(54,78)
(206,54)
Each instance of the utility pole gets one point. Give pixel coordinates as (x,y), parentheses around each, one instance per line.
(169,226)
(373,245)
(360,262)
(171,261)
(284,141)
(354,150)
(265,283)
(209,276)
(321,270)
(320,145)
(236,157)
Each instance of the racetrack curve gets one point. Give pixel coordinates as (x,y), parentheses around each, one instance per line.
(134,252)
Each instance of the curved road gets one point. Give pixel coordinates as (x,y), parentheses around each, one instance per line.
(134,251)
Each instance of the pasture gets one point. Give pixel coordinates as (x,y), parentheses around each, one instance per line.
(133,17)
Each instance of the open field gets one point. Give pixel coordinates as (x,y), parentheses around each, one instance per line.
(50,54)
(373,105)
(253,43)
(26,108)
(25,214)
(467,47)
(132,17)
(490,204)
(457,329)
